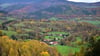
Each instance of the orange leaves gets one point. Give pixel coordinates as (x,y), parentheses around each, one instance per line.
(45,54)
(5,37)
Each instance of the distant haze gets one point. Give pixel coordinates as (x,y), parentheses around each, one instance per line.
(14,1)
(88,1)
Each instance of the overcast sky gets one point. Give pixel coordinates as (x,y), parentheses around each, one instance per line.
(89,1)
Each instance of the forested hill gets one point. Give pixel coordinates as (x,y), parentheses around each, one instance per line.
(48,8)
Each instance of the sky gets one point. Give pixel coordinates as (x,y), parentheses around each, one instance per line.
(88,1)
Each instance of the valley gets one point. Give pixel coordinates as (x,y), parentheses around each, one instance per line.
(49,28)
(66,35)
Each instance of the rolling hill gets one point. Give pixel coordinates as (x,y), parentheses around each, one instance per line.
(49,8)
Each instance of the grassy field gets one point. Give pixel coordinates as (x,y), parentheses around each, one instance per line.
(9,33)
(0,21)
(9,18)
(65,50)
(57,33)
(52,37)
(92,22)
(98,38)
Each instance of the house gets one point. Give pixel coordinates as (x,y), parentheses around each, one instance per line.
(46,40)
(53,43)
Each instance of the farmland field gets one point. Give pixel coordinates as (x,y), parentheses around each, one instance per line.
(65,50)
(92,22)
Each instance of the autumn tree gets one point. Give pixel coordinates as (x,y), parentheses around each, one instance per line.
(9,47)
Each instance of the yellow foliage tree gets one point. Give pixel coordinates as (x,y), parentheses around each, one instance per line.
(12,52)
(25,50)
(9,47)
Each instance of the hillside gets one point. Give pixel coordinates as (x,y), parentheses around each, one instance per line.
(49,8)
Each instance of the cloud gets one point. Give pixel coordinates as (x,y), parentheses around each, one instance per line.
(89,1)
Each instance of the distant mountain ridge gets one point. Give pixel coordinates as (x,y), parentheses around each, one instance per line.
(48,8)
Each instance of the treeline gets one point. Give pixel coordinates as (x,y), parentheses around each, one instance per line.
(93,48)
